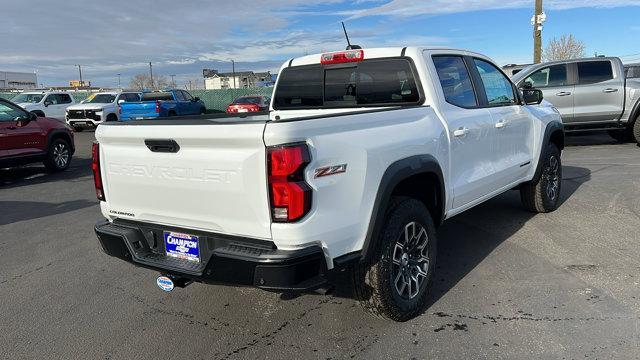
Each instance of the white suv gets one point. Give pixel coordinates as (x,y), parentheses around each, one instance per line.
(99,107)
(45,103)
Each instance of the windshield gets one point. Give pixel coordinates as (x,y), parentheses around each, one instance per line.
(102,99)
(28,98)
(248,100)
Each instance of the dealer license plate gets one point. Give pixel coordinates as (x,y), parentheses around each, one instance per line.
(182,246)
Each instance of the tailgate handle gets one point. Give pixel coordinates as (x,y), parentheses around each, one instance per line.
(167,146)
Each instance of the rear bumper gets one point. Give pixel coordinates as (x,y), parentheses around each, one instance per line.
(224,259)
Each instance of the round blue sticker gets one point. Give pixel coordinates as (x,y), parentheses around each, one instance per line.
(165,283)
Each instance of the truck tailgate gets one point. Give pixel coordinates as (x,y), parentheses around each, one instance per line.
(216,181)
(143,109)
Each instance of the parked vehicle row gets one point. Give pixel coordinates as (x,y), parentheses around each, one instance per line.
(363,155)
(591,94)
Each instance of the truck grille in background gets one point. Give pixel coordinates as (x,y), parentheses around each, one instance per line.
(84,114)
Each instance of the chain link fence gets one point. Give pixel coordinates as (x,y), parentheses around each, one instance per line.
(214,100)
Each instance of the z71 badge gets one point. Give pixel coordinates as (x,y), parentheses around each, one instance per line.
(331,170)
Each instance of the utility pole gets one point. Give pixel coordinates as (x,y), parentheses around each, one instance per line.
(151,73)
(173,82)
(119,87)
(233,69)
(80,71)
(537,21)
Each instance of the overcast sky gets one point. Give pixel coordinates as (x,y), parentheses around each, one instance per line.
(183,37)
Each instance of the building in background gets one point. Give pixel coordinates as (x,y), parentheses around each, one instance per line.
(239,80)
(18,80)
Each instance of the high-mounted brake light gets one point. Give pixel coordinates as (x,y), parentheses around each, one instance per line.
(95,167)
(158,106)
(342,57)
(290,195)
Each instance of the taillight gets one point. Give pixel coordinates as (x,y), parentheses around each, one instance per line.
(342,57)
(289,194)
(158,106)
(95,167)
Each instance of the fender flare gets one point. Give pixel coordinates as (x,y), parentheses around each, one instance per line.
(395,173)
(554,128)
(634,114)
(63,134)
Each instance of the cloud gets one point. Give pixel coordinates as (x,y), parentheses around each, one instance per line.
(406,8)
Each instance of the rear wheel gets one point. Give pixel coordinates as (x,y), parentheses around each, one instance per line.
(542,194)
(59,156)
(636,130)
(394,283)
(172,113)
(203,110)
(112,117)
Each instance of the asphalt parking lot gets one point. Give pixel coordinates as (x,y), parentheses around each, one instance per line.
(509,284)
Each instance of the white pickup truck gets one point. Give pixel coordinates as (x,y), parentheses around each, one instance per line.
(363,155)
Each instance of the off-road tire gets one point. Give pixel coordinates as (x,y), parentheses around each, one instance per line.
(58,150)
(373,278)
(112,117)
(636,130)
(203,110)
(536,194)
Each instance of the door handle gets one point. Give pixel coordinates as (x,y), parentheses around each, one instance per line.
(609,90)
(462,131)
(501,124)
(563,93)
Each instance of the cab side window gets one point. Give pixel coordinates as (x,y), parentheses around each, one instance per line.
(591,72)
(186,95)
(52,99)
(555,75)
(180,96)
(455,81)
(10,113)
(64,99)
(496,85)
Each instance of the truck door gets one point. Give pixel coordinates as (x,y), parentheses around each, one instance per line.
(599,93)
(511,152)
(470,130)
(557,87)
(20,136)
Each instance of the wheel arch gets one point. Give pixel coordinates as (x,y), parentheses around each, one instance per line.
(60,134)
(407,177)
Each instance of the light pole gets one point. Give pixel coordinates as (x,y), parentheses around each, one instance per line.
(151,73)
(80,71)
(173,81)
(119,87)
(233,69)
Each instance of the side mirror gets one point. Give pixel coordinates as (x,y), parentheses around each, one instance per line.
(196,99)
(532,96)
(31,116)
(47,103)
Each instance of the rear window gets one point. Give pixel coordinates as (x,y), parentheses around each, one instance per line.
(153,96)
(248,100)
(376,82)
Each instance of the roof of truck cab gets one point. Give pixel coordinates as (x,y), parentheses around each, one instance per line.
(373,53)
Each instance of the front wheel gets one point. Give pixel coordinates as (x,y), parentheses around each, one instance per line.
(59,156)
(542,194)
(394,283)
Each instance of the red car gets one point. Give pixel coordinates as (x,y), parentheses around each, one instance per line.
(26,138)
(249,104)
